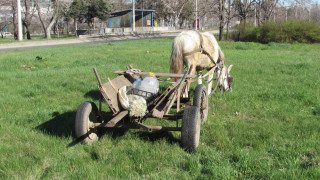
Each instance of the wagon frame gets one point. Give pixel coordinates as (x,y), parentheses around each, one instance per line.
(176,98)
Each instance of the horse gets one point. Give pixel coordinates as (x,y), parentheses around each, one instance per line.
(201,50)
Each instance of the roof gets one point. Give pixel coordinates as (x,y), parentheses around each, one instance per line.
(120,13)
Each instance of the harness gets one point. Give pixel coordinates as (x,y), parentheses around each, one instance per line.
(201,50)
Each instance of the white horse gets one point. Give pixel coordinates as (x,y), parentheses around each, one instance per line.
(203,52)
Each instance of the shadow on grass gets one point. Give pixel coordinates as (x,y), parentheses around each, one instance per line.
(157,136)
(62,125)
(94,94)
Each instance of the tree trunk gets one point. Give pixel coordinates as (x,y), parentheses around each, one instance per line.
(228,19)
(47,28)
(176,22)
(75,26)
(221,18)
(67,28)
(27,21)
(55,28)
(28,32)
(259,13)
(14,19)
(24,32)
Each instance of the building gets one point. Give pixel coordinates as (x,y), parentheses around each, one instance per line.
(123,19)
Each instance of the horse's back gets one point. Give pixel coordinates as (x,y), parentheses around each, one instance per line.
(188,39)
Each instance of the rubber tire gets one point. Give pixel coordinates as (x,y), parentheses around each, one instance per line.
(200,99)
(86,113)
(190,129)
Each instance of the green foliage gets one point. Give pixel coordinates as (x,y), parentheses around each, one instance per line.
(264,129)
(89,9)
(284,32)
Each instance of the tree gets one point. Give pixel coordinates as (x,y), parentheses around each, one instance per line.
(65,13)
(176,8)
(88,10)
(244,9)
(221,18)
(26,21)
(120,5)
(45,22)
(229,16)
(97,9)
(267,7)
(5,12)
(14,18)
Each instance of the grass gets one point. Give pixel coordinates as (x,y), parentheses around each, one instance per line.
(267,128)
(35,38)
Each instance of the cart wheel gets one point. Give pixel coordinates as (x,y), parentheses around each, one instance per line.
(86,115)
(190,130)
(200,99)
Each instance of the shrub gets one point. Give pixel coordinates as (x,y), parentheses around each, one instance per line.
(284,32)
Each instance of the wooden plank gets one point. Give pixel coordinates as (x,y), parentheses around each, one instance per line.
(112,91)
(158,114)
(115,120)
(163,97)
(107,99)
(112,84)
(158,74)
(178,100)
(103,93)
(171,100)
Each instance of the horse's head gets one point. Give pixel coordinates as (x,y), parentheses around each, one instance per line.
(224,78)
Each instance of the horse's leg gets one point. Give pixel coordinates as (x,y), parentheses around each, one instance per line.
(199,77)
(210,78)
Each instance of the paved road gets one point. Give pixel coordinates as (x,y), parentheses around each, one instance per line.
(80,41)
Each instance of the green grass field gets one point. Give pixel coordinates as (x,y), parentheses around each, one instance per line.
(267,128)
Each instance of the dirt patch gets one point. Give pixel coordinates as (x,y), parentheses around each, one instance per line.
(29,68)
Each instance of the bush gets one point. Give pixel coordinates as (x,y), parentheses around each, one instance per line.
(284,32)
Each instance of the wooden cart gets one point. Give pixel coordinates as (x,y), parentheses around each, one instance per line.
(169,104)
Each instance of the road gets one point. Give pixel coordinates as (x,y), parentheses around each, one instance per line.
(80,41)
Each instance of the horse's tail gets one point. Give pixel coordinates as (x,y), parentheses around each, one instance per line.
(176,59)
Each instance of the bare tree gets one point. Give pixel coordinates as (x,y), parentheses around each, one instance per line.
(176,8)
(315,13)
(26,21)
(244,9)
(222,13)
(14,18)
(5,9)
(45,22)
(230,14)
(120,5)
(268,7)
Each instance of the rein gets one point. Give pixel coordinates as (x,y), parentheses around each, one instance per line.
(215,88)
(201,50)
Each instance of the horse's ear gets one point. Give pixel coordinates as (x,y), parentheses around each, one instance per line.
(229,68)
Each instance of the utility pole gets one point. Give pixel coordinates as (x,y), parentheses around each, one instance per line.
(133,16)
(196,14)
(19,21)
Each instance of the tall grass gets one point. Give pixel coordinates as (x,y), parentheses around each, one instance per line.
(268,127)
